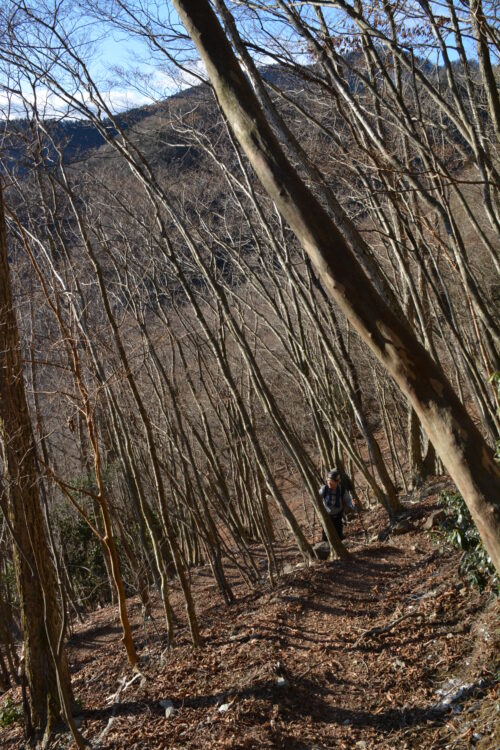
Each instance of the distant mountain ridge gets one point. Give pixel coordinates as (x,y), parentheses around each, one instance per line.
(78,137)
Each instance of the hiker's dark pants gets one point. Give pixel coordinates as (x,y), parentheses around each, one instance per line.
(337,522)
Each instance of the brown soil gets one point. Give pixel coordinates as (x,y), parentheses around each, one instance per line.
(337,655)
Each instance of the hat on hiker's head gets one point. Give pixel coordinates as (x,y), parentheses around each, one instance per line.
(333,474)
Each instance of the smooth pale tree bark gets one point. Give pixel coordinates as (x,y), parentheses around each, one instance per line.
(48,682)
(458,442)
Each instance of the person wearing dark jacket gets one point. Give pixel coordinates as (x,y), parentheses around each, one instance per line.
(335,499)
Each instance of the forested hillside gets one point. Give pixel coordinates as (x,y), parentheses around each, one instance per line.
(206,305)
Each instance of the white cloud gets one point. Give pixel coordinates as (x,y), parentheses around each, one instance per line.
(120,90)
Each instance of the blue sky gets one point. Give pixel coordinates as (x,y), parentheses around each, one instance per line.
(121,65)
(125,69)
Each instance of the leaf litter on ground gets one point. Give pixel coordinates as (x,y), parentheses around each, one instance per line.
(385,650)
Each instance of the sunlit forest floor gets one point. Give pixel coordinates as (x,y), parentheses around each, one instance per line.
(386,650)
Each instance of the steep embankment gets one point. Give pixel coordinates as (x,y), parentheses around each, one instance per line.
(387,650)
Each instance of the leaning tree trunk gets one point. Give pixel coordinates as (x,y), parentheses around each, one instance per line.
(48,683)
(447,423)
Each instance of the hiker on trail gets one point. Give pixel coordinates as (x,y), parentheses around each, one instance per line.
(335,498)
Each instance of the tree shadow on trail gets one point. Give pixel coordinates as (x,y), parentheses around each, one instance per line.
(308,704)
(299,698)
(89,637)
(267,689)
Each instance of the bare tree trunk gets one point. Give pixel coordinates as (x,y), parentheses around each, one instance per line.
(415,460)
(33,567)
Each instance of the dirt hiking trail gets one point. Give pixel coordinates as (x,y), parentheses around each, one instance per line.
(386,650)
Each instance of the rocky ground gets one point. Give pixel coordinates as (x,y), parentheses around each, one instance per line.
(386,650)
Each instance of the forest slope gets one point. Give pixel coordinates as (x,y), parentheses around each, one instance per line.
(386,650)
